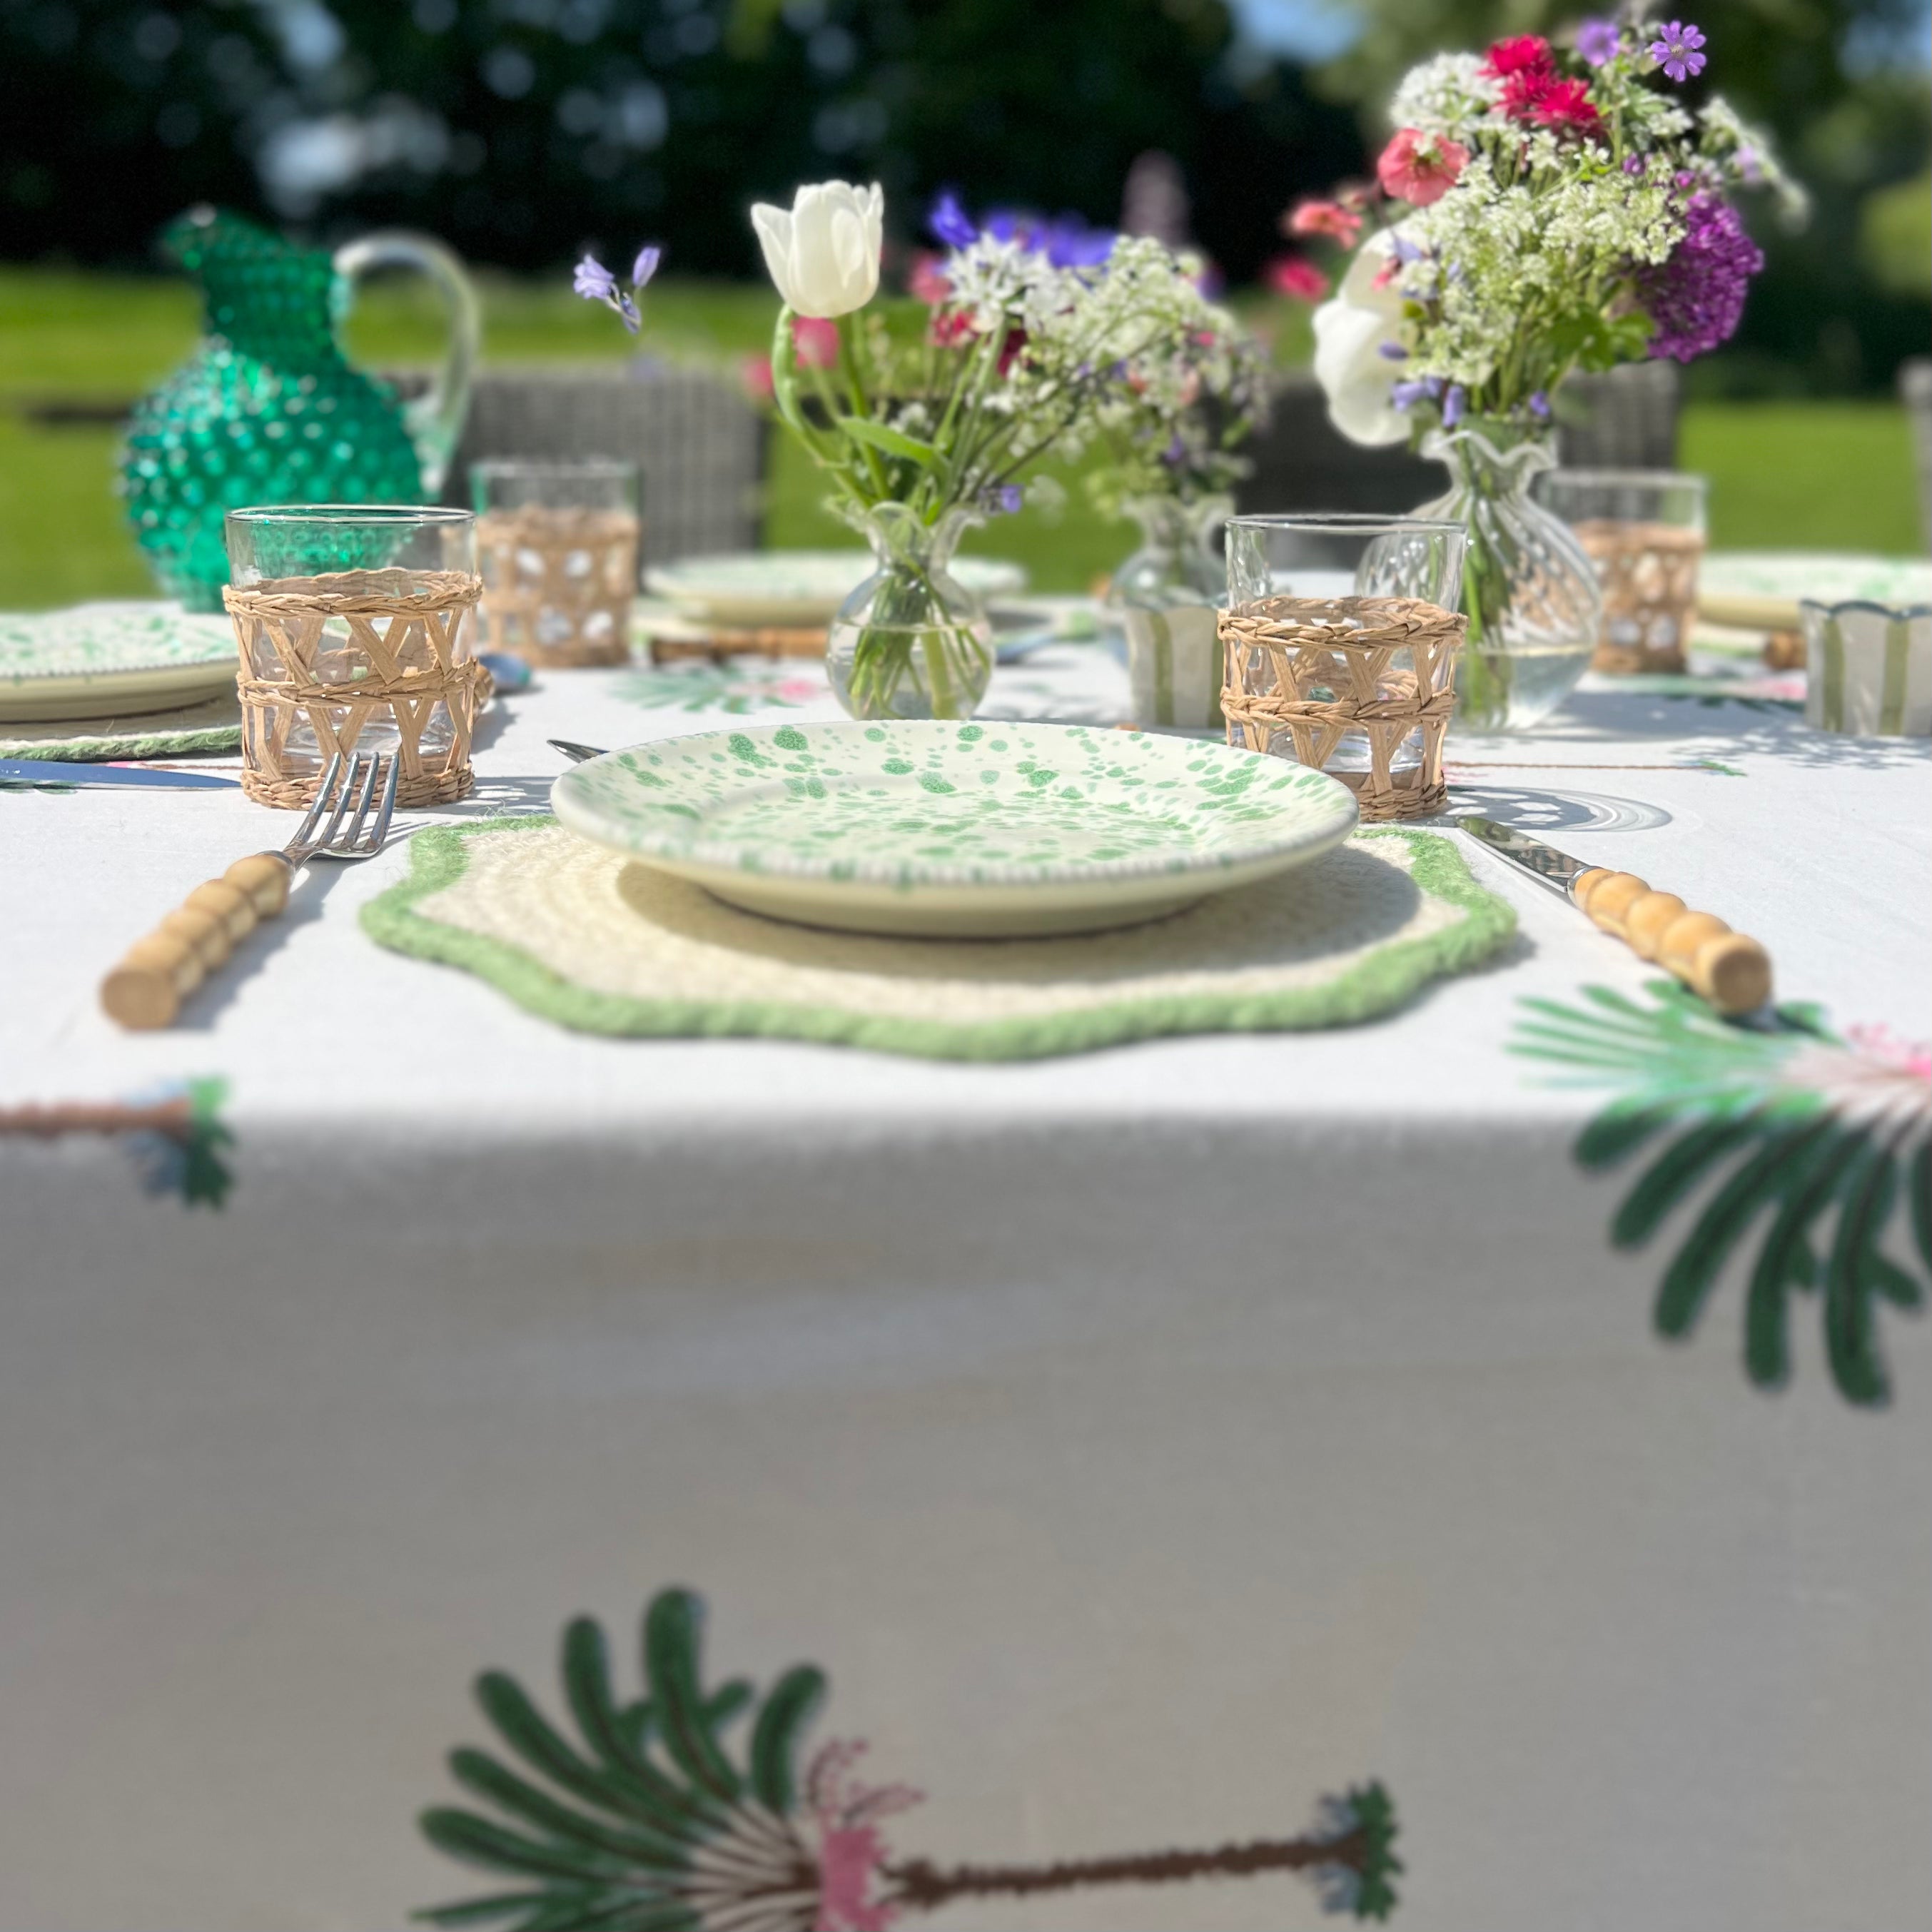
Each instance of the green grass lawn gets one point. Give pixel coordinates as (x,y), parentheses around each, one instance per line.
(1830,476)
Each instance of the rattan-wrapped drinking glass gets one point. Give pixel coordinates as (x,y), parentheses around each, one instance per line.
(1644,531)
(558,543)
(1340,652)
(353,622)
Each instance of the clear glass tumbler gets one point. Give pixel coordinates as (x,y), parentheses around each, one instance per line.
(559,542)
(1336,571)
(340,609)
(1643,529)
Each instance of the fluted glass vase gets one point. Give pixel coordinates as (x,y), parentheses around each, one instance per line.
(1528,590)
(1166,594)
(911,641)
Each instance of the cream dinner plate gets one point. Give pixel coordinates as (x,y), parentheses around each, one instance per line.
(111,659)
(982,830)
(1761,590)
(796,587)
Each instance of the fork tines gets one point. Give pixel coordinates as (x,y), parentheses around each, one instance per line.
(344,780)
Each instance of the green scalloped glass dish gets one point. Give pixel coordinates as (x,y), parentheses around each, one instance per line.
(988,830)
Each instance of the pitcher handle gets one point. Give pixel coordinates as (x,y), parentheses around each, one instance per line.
(434,420)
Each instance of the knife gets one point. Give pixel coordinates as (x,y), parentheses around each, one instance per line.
(34,771)
(1729,972)
(575,752)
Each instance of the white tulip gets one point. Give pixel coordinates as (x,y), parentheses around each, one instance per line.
(1349,332)
(824,254)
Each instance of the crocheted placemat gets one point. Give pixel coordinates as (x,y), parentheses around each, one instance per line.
(595,941)
(214,725)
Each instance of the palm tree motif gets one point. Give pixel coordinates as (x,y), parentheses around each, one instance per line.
(650,1823)
(174,1136)
(1783,1119)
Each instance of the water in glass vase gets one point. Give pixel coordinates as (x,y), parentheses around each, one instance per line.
(911,641)
(1528,590)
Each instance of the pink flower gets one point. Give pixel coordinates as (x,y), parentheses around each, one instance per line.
(1325,218)
(1526,53)
(1011,348)
(816,341)
(851,1853)
(928,282)
(1420,168)
(949,326)
(1297,277)
(754,372)
(1566,105)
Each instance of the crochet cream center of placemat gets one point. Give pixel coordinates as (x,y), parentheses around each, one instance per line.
(598,940)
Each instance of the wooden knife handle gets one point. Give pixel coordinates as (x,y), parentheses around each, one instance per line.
(145,991)
(1724,968)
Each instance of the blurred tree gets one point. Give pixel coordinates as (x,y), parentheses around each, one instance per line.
(114,118)
(521,129)
(1842,84)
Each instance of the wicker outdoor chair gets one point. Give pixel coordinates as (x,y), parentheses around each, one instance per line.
(699,443)
(1624,420)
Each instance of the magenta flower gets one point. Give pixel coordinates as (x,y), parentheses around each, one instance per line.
(1597,41)
(1675,50)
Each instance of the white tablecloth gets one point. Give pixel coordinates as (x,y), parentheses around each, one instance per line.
(1146,1443)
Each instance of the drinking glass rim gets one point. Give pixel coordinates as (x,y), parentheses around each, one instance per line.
(426,515)
(1350,523)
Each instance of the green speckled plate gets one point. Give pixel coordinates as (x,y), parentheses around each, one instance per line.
(1761,590)
(985,830)
(103,660)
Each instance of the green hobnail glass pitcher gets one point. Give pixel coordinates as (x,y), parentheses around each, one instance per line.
(269,410)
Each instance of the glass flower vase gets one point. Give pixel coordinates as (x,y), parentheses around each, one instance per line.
(911,641)
(1528,590)
(1167,594)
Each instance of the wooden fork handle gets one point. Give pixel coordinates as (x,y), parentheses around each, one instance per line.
(145,991)
(1732,972)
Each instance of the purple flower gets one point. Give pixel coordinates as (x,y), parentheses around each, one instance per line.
(1539,404)
(1406,251)
(1406,395)
(1596,42)
(1002,500)
(594,281)
(1069,243)
(1452,406)
(950,223)
(1392,352)
(1696,298)
(1675,49)
(1175,454)
(1632,164)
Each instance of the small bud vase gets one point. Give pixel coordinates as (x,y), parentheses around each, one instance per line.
(1528,590)
(911,641)
(1168,593)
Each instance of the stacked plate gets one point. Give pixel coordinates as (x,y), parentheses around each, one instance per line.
(985,830)
(794,589)
(101,661)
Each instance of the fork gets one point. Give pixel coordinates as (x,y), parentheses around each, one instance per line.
(146,989)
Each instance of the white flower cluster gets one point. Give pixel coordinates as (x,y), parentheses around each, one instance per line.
(1444,96)
(1128,349)
(1737,149)
(1497,255)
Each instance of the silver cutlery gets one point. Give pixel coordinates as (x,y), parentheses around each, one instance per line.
(145,990)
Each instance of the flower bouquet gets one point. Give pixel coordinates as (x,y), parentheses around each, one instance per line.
(1539,210)
(1037,336)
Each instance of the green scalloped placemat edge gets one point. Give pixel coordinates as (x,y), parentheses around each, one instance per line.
(1382,981)
(83,750)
